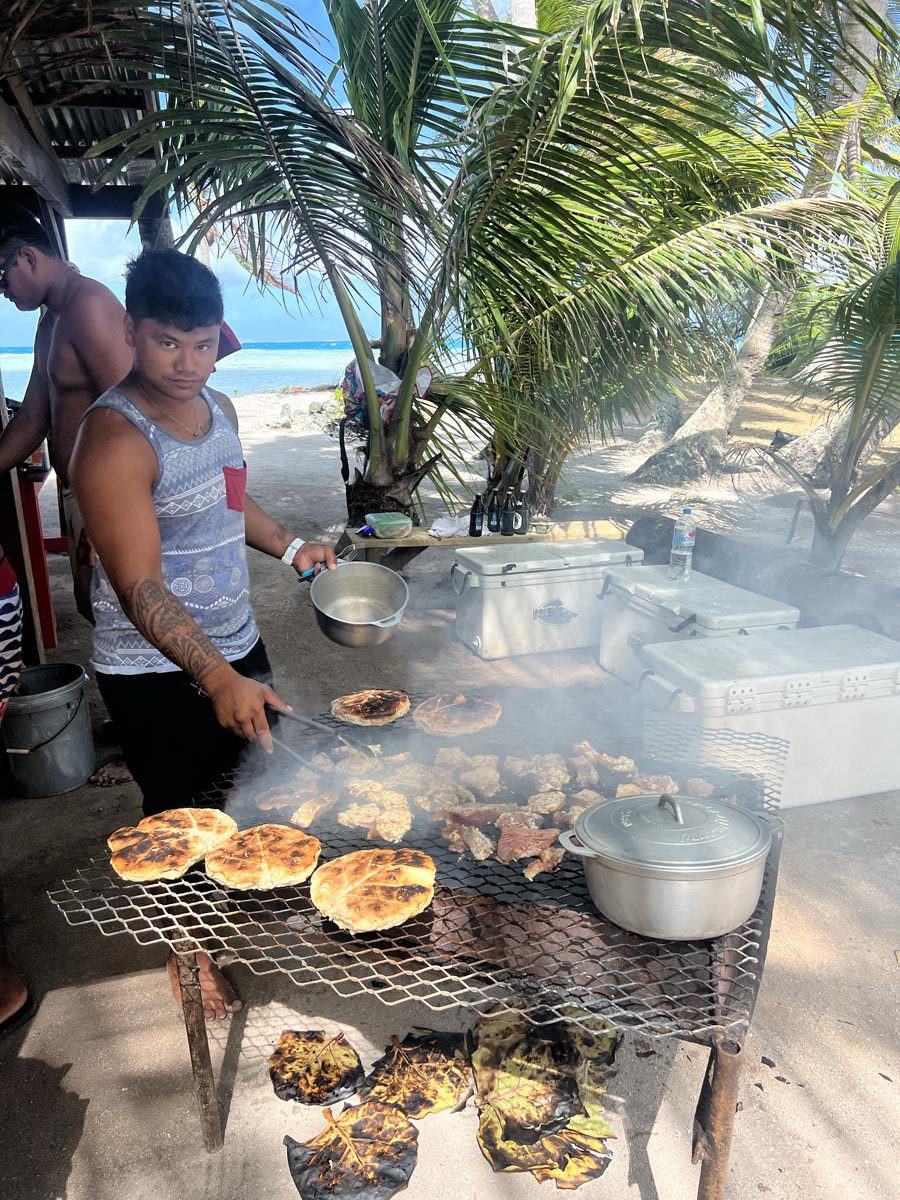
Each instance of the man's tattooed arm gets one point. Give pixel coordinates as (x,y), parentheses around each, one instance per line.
(166,623)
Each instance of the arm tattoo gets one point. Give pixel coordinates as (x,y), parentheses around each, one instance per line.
(166,623)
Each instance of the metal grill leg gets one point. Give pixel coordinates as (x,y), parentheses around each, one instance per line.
(714,1119)
(201,1065)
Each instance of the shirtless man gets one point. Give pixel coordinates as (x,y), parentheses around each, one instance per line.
(79,351)
(160,475)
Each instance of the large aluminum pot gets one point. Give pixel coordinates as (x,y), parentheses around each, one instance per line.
(677,869)
(359,604)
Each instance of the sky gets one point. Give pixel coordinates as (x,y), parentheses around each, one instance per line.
(102,248)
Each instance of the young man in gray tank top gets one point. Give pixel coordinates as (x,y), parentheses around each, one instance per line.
(159,475)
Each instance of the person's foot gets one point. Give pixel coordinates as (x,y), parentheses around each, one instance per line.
(13,993)
(219,998)
(112,774)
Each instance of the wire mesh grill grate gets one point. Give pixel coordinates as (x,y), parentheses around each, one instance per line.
(489,938)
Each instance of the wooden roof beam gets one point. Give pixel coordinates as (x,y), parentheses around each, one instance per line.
(31,162)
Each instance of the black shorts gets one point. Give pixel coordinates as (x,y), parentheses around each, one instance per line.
(173,745)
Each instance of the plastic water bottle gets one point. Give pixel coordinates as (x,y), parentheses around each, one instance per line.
(682,547)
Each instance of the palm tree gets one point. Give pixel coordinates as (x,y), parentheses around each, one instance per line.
(853,356)
(555,199)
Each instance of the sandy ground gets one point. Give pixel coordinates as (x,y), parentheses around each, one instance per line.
(97,1092)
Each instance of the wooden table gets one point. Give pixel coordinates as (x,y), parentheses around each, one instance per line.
(397,552)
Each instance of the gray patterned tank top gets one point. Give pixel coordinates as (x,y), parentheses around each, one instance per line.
(199,502)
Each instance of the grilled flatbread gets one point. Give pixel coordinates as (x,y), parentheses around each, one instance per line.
(374,889)
(452,716)
(266,856)
(153,856)
(209,824)
(371,707)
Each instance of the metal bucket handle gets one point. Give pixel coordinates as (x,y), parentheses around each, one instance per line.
(59,732)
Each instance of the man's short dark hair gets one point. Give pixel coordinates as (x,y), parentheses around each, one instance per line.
(18,227)
(174,289)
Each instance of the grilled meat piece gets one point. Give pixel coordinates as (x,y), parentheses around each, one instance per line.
(285,797)
(467,837)
(609,769)
(442,798)
(484,781)
(585,797)
(418,779)
(516,841)
(583,771)
(519,818)
(656,783)
(546,802)
(547,772)
(547,861)
(394,821)
(699,788)
(359,816)
(452,758)
(310,810)
(475,815)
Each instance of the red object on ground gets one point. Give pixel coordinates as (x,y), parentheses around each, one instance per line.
(37,553)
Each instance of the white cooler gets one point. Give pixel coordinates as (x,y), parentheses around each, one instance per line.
(832,693)
(532,597)
(639,608)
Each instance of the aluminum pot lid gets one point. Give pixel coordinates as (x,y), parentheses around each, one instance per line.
(672,832)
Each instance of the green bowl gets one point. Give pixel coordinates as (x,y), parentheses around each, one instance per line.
(390,524)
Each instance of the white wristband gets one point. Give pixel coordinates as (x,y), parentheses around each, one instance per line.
(291,553)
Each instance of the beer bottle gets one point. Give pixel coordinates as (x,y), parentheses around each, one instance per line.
(493,513)
(476,517)
(508,516)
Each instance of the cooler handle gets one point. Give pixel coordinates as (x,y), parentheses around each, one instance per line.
(467,579)
(659,683)
(683,625)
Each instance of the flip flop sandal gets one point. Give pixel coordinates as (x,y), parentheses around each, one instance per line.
(20,1017)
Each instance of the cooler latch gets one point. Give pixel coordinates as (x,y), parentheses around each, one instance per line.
(798,692)
(740,698)
(854,685)
(554,612)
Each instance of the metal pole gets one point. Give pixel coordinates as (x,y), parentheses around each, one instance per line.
(195,1026)
(714,1119)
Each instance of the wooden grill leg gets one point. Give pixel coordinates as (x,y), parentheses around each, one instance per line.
(201,1065)
(714,1119)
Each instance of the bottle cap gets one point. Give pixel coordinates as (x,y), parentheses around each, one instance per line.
(686,512)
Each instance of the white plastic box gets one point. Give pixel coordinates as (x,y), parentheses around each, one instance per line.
(531,597)
(640,608)
(832,693)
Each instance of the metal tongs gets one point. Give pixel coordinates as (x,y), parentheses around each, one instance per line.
(327,731)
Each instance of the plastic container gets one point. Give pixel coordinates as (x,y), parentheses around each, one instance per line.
(526,598)
(390,524)
(832,693)
(640,608)
(46,731)
(681,557)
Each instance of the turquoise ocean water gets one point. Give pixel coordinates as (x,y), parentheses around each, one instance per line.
(258,367)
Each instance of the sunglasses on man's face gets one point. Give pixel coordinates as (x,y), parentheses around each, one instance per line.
(7,265)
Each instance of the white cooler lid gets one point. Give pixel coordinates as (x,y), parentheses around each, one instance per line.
(716,605)
(707,667)
(516,556)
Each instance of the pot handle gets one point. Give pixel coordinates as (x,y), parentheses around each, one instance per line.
(390,622)
(667,801)
(568,839)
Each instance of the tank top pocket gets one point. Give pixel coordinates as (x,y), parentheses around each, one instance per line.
(235,487)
